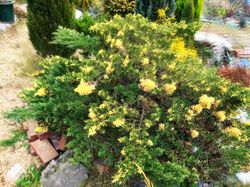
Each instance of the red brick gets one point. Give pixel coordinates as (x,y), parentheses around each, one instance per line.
(55,141)
(31,135)
(32,151)
(30,125)
(101,167)
(44,150)
(45,135)
(62,143)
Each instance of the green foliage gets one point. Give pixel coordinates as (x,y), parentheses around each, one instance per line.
(44,17)
(83,4)
(19,114)
(30,179)
(121,7)
(17,136)
(198,7)
(75,40)
(144,101)
(149,8)
(188,11)
(84,23)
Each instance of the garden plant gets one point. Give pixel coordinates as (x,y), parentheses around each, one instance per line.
(143,103)
(44,17)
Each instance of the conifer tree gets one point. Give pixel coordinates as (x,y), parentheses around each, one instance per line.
(188,11)
(149,8)
(44,17)
(182,7)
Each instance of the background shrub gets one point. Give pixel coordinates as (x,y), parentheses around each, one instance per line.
(144,104)
(189,10)
(236,74)
(149,8)
(44,17)
(121,7)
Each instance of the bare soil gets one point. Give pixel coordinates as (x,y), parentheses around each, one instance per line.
(15,49)
(240,38)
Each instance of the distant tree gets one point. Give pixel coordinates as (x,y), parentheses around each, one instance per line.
(149,8)
(186,7)
(188,11)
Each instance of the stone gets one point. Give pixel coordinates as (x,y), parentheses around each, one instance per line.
(62,172)
(44,150)
(4,26)
(244,177)
(101,167)
(220,45)
(14,173)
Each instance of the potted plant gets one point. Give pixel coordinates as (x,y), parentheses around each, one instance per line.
(6,11)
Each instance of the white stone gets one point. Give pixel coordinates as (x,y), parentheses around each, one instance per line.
(244,177)
(14,173)
(4,26)
(78,14)
(219,44)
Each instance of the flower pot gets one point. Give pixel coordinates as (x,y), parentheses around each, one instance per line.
(7,11)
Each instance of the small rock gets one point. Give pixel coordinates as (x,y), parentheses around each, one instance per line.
(62,172)
(244,177)
(101,167)
(14,173)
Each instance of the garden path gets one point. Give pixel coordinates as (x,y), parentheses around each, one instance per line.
(239,38)
(15,49)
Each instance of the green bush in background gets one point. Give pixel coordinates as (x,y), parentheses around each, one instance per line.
(149,8)
(121,7)
(189,10)
(44,17)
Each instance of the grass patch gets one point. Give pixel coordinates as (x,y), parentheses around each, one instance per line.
(31,66)
(19,114)
(30,179)
(17,136)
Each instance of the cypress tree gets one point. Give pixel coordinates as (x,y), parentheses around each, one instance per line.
(188,11)
(182,6)
(44,17)
(198,5)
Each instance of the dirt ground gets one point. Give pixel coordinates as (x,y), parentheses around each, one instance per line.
(240,38)
(15,49)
